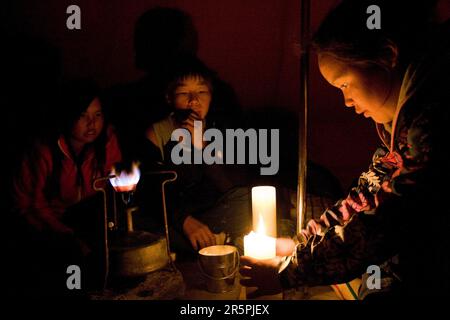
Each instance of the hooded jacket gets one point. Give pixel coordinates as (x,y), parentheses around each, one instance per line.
(410,221)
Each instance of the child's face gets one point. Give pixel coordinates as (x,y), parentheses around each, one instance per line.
(193,93)
(373,93)
(90,124)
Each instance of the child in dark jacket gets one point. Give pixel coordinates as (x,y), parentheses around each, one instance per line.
(205,200)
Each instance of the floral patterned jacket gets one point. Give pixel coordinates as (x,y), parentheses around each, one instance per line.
(403,213)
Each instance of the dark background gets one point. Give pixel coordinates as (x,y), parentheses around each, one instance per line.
(252,44)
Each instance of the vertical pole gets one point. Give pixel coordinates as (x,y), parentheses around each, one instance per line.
(166,220)
(105,229)
(303,113)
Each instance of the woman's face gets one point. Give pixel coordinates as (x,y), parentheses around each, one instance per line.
(193,93)
(372,92)
(89,125)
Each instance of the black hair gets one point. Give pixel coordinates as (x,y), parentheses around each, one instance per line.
(344,33)
(222,111)
(74,98)
(186,67)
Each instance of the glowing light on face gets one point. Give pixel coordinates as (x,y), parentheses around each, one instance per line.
(372,92)
(89,125)
(193,93)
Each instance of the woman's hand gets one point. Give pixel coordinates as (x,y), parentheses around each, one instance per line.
(353,204)
(360,202)
(198,233)
(285,247)
(262,274)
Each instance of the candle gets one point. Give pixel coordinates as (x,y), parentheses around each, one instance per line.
(264,205)
(262,244)
(258,245)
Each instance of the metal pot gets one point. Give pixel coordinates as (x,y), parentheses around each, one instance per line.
(136,253)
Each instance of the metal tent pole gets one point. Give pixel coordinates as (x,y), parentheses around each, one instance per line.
(303,113)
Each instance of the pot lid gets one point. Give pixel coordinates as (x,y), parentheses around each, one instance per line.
(134,239)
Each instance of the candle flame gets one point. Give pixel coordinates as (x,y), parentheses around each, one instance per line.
(264,210)
(261,227)
(123,181)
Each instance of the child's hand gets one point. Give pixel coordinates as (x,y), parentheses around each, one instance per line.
(198,233)
(195,131)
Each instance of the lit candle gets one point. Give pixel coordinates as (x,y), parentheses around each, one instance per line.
(262,243)
(264,205)
(258,245)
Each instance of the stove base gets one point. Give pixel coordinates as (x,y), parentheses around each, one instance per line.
(165,284)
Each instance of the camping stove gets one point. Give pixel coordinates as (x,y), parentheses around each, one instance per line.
(131,256)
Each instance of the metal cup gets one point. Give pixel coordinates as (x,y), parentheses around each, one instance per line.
(219,265)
